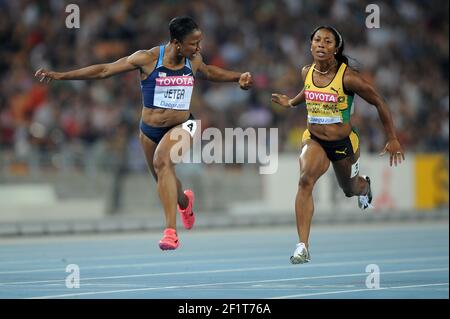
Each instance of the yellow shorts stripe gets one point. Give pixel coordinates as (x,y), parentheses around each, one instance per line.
(354,139)
(306,135)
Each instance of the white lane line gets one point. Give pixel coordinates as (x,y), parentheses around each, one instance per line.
(156,253)
(230,270)
(357,290)
(134,265)
(332,264)
(171,262)
(436,250)
(141,265)
(235,283)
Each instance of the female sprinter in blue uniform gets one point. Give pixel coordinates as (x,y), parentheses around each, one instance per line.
(168,74)
(329,88)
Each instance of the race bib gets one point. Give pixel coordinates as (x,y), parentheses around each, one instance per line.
(322,107)
(355,169)
(173,92)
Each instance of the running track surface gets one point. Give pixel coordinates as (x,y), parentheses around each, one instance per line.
(237,263)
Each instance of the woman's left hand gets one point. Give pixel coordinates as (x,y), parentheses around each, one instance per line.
(395,150)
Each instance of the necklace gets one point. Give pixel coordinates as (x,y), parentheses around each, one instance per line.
(325,72)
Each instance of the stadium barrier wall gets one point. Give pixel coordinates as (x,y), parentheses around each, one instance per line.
(416,187)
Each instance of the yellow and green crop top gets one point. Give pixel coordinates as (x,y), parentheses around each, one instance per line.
(329,104)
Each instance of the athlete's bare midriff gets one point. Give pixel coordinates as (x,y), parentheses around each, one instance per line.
(158,117)
(330,132)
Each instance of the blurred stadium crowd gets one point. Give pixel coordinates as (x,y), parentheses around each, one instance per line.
(406,58)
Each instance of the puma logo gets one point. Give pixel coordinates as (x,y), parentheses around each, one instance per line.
(333,89)
(342,152)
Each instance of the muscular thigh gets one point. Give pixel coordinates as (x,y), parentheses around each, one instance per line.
(313,160)
(149,148)
(175,144)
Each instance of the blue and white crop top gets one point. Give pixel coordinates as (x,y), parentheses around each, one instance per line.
(166,88)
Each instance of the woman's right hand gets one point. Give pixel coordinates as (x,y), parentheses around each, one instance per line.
(281,99)
(46,76)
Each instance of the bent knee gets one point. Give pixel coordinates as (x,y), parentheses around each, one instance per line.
(161,161)
(306,182)
(349,192)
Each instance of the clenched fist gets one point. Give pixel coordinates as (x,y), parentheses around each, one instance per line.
(245,81)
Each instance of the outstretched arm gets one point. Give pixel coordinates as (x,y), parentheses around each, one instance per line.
(355,83)
(98,71)
(216,74)
(285,101)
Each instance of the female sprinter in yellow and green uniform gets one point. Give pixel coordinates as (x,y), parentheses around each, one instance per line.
(329,89)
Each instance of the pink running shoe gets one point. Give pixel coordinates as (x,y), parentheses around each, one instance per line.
(187,215)
(169,240)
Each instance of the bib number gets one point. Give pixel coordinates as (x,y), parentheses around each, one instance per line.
(190,126)
(355,169)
